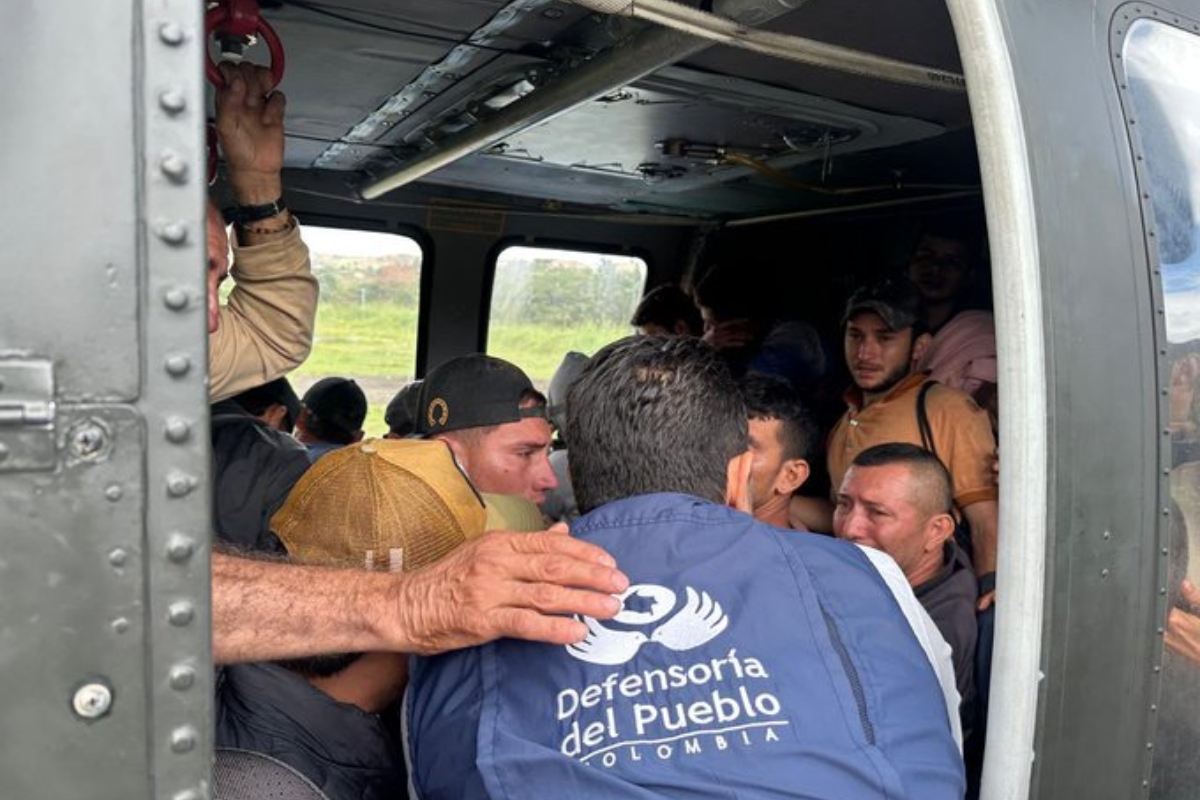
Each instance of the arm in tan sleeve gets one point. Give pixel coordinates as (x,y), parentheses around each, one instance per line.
(963,437)
(266,327)
(984,519)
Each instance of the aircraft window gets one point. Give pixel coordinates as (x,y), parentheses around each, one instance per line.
(367,315)
(1162,63)
(546,303)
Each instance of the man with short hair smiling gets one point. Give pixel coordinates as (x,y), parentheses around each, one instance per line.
(782,439)
(494,421)
(885,336)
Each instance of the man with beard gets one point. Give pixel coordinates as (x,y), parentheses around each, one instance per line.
(885,337)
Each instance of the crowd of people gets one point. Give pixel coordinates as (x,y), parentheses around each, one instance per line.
(628,587)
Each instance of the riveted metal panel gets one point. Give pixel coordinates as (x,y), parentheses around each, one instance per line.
(1101,648)
(69,213)
(73,608)
(104,634)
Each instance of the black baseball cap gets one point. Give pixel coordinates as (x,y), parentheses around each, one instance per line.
(338,403)
(897,301)
(472,392)
(401,413)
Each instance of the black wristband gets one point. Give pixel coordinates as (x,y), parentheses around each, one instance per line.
(240,215)
(987,583)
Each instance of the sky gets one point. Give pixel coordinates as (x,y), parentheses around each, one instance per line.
(363,244)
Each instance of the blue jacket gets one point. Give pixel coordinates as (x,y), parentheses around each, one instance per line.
(747,662)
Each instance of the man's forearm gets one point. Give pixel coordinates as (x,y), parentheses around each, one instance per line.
(526,585)
(265,610)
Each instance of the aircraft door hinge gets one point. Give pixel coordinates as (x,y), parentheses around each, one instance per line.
(26,414)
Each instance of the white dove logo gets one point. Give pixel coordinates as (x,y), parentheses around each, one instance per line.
(700,620)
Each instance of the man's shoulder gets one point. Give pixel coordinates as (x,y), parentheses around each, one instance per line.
(942,399)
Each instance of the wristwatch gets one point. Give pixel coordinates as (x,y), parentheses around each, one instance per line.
(241,215)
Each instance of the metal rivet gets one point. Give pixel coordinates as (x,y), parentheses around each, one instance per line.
(183,739)
(182,677)
(1154,707)
(1160,631)
(178,430)
(179,484)
(87,439)
(1107,534)
(178,365)
(180,547)
(172,101)
(92,700)
(120,625)
(173,166)
(1104,573)
(171,33)
(118,556)
(176,299)
(113,492)
(175,233)
(181,613)
(1149,745)
(1162,590)
(1157,668)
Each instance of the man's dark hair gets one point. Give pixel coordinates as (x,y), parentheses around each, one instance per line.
(256,401)
(325,666)
(727,294)
(334,410)
(968,228)
(666,305)
(654,414)
(928,469)
(324,430)
(767,398)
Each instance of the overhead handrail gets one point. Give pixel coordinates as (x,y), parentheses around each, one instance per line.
(234,20)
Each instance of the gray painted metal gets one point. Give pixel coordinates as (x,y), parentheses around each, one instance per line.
(102,225)
(645,52)
(1100,650)
(26,414)
(1017,294)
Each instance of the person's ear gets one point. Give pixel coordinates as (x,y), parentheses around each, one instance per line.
(737,482)
(920,345)
(791,476)
(457,450)
(938,530)
(681,328)
(274,415)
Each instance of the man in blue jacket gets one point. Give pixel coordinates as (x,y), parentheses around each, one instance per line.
(746,661)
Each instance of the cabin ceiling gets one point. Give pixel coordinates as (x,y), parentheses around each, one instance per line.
(375,86)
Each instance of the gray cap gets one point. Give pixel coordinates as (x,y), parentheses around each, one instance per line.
(897,301)
(556,394)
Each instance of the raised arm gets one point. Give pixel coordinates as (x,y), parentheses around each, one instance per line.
(265,330)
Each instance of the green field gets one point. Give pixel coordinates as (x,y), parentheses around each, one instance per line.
(375,343)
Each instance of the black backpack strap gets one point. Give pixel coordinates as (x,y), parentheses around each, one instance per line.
(923,419)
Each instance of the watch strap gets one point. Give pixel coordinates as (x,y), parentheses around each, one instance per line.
(240,215)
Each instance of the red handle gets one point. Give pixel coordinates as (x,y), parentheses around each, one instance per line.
(240,18)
